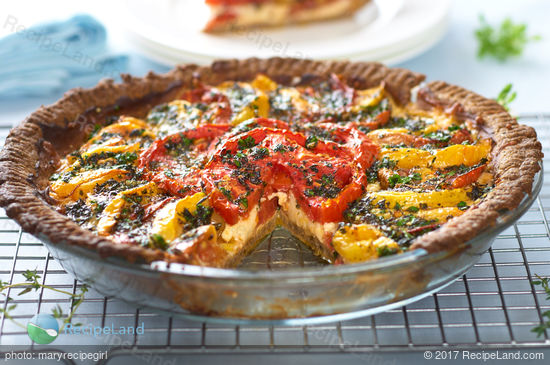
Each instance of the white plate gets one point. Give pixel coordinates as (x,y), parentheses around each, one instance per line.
(386,30)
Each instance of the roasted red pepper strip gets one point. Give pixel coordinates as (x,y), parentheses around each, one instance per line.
(429,227)
(468,178)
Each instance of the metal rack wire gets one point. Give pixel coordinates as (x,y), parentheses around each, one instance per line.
(493,305)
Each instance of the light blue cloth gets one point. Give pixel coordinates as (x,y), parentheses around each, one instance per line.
(57,56)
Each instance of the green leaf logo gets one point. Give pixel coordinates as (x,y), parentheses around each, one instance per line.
(43,328)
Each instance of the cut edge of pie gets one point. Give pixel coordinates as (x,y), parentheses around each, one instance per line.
(31,149)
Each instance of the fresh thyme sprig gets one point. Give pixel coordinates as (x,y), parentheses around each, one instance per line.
(545,283)
(506,96)
(32,283)
(507,41)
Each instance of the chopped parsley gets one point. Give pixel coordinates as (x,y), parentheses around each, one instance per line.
(79,211)
(157,241)
(462,205)
(398,179)
(178,144)
(440,136)
(247,142)
(386,251)
(243,201)
(326,187)
(202,216)
(258,153)
(311,142)
(372,173)
(226,192)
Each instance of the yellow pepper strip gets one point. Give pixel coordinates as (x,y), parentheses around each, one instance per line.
(168,222)
(432,199)
(407,158)
(111,149)
(122,128)
(361,242)
(454,155)
(264,83)
(368,97)
(114,208)
(80,186)
(460,154)
(440,214)
(258,108)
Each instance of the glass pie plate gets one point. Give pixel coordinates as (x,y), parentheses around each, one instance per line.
(281,282)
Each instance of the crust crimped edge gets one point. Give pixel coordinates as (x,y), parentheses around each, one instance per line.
(28,156)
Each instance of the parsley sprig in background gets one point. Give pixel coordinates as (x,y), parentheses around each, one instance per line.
(545,325)
(504,42)
(32,283)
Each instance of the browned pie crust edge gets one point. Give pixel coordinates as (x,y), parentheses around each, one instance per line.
(29,155)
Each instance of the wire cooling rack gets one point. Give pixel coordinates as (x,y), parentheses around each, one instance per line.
(494,305)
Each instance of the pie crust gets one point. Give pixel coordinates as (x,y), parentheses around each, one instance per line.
(32,149)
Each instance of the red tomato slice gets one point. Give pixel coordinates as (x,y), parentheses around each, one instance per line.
(239,170)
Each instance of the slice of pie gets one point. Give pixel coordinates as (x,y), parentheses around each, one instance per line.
(237,14)
(198,165)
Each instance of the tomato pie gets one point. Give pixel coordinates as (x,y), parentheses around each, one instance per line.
(237,14)
(356,160)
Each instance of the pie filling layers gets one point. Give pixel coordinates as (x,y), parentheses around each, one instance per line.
(205,177)
(235,14)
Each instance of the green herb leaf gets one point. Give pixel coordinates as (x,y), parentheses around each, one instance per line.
(506,96)
(247,142)
(386,251)
(545,283)
(462,205)
(31,275)
(57,312)
(311,142)
(25,291)
(226,192)
(157,241)
(507,41)
(243,201)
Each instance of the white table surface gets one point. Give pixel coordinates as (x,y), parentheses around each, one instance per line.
(453,59)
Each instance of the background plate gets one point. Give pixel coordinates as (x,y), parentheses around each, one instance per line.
(389,31)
